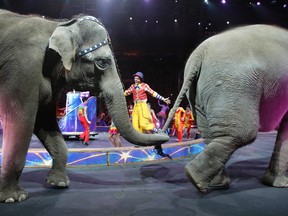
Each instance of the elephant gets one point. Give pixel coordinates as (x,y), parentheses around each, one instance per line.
(45,55)
(237,85)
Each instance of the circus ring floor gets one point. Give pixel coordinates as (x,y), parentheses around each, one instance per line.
(157,188)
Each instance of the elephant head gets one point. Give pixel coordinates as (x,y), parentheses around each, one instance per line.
(85,49)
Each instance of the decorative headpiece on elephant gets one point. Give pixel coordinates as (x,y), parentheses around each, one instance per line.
(237,85)
(33,52)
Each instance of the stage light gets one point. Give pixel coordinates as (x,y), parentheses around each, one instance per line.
(157,21)
(223,1)
(206,1)
(258,3)
(146,21)
(285,5)
(199,23)
(175,20)
(131,18)
(227,22)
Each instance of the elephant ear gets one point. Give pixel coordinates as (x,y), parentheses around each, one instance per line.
(63,43)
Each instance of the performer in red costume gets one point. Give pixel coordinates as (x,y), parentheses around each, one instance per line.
(189,121)
(178,124)
(82,116)
(141,117)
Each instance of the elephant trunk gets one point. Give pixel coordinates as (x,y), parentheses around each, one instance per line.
(113,93)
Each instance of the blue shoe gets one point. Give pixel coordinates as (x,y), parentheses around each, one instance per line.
(198,135)
(154,130)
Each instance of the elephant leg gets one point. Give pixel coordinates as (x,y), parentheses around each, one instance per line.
(225,138)
(275,173)
(17,126)
(221,180)
(206,165)
(47,130)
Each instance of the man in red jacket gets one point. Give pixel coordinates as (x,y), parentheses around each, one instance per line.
(141,117)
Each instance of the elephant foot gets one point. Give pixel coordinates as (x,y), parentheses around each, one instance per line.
(57,178)
(220,181)
(13,194)
(280,181)
(194,177)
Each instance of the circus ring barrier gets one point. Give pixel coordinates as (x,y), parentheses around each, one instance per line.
(70,125)
(37,157)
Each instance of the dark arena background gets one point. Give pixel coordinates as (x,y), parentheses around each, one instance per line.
(155,37)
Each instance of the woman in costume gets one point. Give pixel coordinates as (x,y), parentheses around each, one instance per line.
(82,116)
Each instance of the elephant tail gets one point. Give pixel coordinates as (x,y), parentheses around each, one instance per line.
(191,74)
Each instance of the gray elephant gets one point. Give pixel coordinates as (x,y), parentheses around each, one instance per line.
(38,57)
(237,85)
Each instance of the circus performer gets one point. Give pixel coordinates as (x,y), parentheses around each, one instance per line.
(178,124)
(188,121)
(114,135)
(130,111)
(163,113)
(82,116)
(141,117)
(102,117)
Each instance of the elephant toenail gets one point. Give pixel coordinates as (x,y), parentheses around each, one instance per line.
(9,200)
(22,197)
(62,184)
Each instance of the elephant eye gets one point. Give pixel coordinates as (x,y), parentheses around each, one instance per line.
(103,63)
